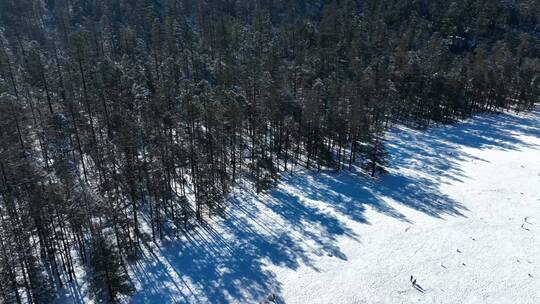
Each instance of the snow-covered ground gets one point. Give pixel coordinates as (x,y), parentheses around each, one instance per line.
(459,210)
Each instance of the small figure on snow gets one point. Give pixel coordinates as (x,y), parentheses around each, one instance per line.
(272,298)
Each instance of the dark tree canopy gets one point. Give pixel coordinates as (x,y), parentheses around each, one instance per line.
(117,111)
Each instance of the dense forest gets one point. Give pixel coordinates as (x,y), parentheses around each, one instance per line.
(125,121)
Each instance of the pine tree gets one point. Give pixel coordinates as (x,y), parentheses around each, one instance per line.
(375,154)
(154,115)
(109,278)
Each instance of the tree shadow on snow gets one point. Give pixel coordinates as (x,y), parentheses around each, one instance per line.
(300,221)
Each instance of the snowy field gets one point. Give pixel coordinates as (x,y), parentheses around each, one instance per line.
(459,210)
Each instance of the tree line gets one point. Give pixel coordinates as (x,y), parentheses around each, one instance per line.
(125,121)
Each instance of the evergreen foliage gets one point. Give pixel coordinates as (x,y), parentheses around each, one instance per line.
(115,111)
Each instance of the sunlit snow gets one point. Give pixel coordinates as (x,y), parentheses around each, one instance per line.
(459,210)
